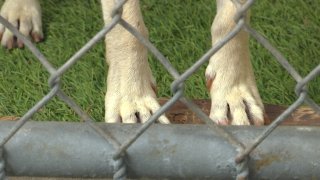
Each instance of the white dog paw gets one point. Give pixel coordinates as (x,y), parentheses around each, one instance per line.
(131,100)
(132,109)
(234,96)
(24,15)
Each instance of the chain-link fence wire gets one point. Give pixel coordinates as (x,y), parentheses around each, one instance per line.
(177,88)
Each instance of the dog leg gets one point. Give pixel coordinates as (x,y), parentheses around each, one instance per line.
(130,96)
(24,15)
(234,96)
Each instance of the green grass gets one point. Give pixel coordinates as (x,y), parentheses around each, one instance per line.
(180,29)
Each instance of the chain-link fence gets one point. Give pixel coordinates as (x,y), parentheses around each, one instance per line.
(120,148)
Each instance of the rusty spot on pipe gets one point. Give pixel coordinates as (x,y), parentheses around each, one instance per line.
(267,160)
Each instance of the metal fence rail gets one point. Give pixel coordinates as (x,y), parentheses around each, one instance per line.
(116,148)
(162,152)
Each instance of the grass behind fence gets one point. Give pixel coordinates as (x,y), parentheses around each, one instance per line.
(180,29)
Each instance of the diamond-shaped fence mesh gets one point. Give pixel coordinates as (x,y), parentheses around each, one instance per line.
(177,88)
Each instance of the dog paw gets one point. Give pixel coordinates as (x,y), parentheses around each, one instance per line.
(24,15)
(234,96)
(132,109)
(130,100)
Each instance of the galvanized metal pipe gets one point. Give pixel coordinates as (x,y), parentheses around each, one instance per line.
(61,149)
